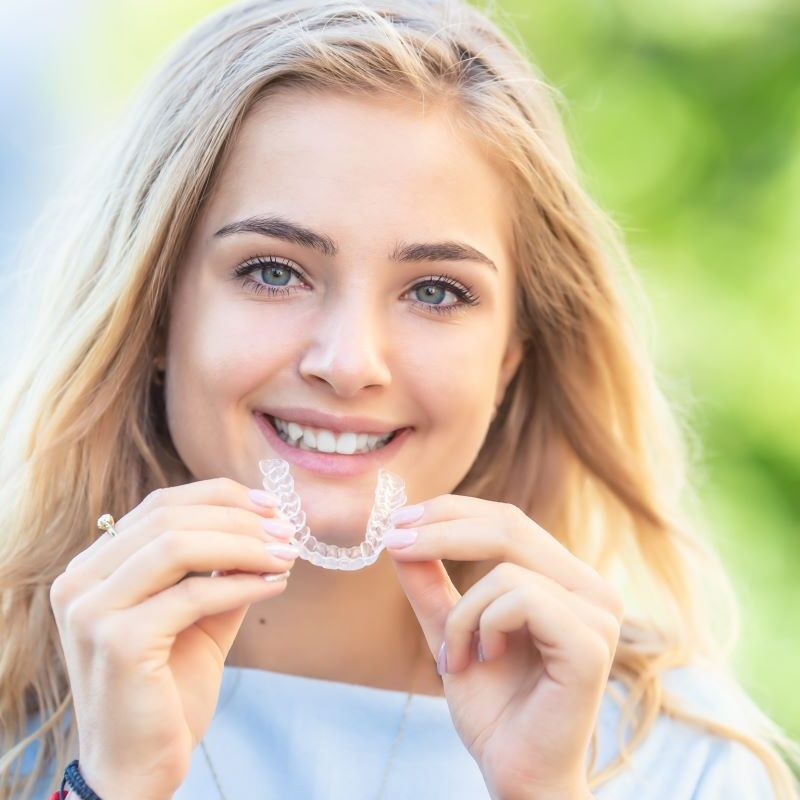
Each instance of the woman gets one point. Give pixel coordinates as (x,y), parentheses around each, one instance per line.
(256,272)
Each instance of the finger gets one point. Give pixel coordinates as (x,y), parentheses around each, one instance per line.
(506,534)
(573,653)
(168,558)
(212,603)
(431,594)
(465,617)
(213,492)
(103,558)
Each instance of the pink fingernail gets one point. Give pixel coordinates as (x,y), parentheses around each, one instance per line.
(400,538)
(278,527)
(262,498)
(406,514)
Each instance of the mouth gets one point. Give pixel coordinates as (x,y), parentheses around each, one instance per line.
(324,451)
(322,441)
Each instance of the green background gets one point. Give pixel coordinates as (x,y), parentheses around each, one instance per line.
(685,120)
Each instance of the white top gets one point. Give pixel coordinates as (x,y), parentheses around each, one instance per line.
(286,736)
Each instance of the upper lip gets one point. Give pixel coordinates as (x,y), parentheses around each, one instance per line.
(319,419)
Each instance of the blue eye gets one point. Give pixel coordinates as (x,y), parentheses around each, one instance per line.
(436,288)
(274,268)
(430,292)
(277,272)
(267,269)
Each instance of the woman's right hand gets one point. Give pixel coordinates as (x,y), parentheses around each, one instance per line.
(145,646)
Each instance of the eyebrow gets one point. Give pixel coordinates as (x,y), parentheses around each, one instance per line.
(282,228)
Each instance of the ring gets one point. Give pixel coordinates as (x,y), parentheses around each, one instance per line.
(106,523)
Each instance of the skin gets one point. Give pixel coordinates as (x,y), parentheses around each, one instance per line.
(357,335)
(351,340)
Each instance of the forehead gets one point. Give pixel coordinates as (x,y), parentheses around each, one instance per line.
(370,161)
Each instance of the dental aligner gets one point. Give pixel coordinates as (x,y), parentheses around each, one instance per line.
(389,495)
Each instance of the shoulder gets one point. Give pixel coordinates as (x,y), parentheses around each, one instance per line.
(680,760)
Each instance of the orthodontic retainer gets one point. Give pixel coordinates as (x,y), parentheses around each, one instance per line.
(389,495)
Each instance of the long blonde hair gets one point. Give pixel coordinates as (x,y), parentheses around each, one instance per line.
(583,441)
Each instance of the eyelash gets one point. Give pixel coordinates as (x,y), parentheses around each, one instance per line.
(464,293)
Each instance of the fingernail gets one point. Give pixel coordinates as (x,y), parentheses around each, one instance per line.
(278,527)
(441,659)
(407,514)
(276,576)
(262,498)
(395,538)
(481,656)
(285,551)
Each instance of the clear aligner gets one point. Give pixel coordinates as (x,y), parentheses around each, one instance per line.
(389,495)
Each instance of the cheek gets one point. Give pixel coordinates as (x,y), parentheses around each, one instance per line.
(454,381)
(227,349)
(456,371)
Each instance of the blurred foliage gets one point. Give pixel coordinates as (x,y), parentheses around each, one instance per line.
(685,119)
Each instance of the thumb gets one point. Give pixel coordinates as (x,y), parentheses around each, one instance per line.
(431,594)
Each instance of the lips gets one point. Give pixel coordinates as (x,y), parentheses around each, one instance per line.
(331,463)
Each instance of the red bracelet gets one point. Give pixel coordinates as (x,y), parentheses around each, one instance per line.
(58,796)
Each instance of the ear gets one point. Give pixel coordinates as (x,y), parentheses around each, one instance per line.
(511,360)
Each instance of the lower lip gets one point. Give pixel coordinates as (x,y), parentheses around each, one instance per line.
(330,463)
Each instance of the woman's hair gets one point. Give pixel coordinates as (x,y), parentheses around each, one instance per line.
(583,440)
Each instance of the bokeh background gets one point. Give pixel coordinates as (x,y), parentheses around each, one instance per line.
(685,120)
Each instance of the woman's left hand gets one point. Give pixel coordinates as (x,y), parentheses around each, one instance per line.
(548,624)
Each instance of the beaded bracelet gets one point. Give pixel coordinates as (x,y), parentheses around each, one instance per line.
(80,788)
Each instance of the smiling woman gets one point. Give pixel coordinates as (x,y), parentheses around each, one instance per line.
(351,236)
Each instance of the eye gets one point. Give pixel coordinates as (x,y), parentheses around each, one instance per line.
(268,269)
(436,287)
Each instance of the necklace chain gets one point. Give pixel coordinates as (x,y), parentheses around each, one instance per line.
(392,751)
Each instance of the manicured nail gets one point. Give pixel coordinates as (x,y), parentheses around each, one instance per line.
(395,538)
(262,498)
(403,516)
(441,659)
(271,577)
(284,551)
(281,528)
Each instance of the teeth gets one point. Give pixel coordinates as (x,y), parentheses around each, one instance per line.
(346,444)
(326,441)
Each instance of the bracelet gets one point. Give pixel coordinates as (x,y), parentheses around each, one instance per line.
(78,785)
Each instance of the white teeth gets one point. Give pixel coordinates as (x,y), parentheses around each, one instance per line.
(325,441)
(346,444)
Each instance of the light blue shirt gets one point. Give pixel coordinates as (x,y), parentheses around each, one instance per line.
(285,736)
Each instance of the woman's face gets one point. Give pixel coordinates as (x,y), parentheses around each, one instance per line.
(344,317)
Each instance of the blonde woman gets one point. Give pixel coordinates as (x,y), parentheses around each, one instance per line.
(353,226)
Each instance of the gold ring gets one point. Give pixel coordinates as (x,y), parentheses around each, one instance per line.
(106,523)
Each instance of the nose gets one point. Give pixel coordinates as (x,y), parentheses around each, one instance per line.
(346,348)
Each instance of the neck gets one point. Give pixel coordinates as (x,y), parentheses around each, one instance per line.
(348,626)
